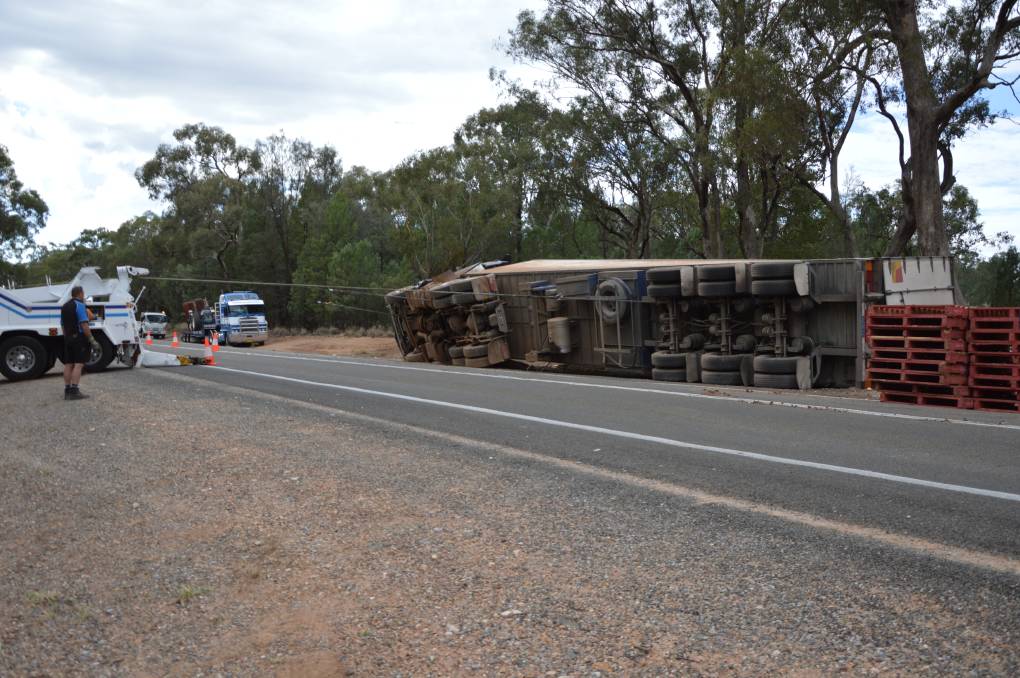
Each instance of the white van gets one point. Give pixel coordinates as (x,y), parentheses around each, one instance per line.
(154,324)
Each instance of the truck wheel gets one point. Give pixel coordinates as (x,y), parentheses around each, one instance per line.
(763,380)
(721,362)
(773,288)
(22,358)
(482,361)
(669,375)
(671,361)
(721,378)
(668,274)
(767,364)
(718,273)
(771,270)
(100,359)
(725,288)
(664,291)
(479,351)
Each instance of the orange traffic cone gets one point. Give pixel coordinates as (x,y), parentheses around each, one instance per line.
(215,341)
(173,340)
(148,338)
(207,354)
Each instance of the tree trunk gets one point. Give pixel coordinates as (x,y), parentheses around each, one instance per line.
(925,212)
(837,209)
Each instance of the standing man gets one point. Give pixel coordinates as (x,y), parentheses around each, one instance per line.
(78,342)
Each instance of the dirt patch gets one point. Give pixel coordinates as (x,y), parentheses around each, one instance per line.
(362,347)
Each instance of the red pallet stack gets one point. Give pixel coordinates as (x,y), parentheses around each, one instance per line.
(919,354)
(993,345)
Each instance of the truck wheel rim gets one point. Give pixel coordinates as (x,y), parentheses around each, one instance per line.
(20,359)
(94,355)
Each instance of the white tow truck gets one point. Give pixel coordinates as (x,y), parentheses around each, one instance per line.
(31,339)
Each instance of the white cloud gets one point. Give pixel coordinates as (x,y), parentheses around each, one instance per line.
(89,89)
(984,162)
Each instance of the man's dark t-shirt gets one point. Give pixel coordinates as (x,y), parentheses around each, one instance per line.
(76,346)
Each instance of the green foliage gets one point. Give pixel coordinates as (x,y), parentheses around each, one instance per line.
(22,213)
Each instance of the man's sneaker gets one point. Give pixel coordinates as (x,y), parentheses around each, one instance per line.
(75,395)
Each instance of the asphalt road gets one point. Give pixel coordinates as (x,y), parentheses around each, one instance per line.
(920,478)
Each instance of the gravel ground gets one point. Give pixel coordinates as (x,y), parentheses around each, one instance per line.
(167,526)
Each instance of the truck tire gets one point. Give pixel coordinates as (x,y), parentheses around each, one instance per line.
(716,273)
(670,361)
(443,300)
(100,359)
(668,274)
(480,351)
(22,358)
(664,291)
(463,298)
(773,288)
(693,342)
(721,378)
(460,285)
(771,270)
(767,364)
(415,356)
(763,380)
(481,361)
(721,362)
(669,375)
(456,352)
(726,288)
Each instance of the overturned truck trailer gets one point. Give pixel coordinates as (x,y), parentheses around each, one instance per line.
(770,323)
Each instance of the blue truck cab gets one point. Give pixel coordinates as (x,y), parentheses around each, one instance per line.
(242,319)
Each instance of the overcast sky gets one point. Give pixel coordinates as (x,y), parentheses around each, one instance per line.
(88,89)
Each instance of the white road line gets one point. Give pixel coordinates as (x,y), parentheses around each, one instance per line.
(906,480)
(485,374)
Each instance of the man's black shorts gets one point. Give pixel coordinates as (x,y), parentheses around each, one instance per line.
(76,350)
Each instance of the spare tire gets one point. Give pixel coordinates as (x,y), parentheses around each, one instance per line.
(612,300)
(721,378)
(477,351)
(773,288)
(667,274)
(771,270)
(717,289)
(764,380)
(673,361)
(721,362)
(669,375)
(768,364)
(664,291)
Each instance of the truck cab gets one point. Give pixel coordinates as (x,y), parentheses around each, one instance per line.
(154,323)
(242,319)
(31,339)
